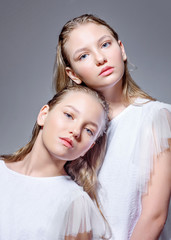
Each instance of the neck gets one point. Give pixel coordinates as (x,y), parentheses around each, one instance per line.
(39,163)
(114,97)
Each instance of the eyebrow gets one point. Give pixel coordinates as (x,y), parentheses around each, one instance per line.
(78,51)
(70,106)
(84,49)
(93,123)
(103,37)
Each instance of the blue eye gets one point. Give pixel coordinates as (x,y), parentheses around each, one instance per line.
(83,56)
(90,132)
(106,44)
(68,115)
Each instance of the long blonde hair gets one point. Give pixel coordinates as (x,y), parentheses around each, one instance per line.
(61,79)
(82,170)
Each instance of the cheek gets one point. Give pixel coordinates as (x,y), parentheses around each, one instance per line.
(117,56)
(47,133)
(90,141)
(85,71)
(51,128)
(86,148)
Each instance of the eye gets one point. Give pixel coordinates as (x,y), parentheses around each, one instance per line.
(89,131)
(106,44)
(68,115)
(83,56)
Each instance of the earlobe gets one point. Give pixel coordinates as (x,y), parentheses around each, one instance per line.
(42,115)
(122,50)
(72,75)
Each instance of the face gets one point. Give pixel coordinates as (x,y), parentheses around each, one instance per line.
(71,127)
(95,56)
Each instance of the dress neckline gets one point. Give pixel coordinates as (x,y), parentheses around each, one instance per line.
(10,171)
(137,102)
(117,117)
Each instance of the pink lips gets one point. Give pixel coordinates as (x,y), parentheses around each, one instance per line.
(106,71)
(67,142)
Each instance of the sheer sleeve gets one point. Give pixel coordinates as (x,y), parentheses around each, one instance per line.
(84,221)
(154,138)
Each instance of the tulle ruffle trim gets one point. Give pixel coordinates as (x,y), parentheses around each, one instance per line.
(84,218)
(152,140)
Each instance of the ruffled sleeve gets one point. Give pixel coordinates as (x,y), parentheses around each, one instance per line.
(83,220)
(152,140)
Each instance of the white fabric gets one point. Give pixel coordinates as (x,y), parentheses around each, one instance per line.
(135,136)
(33,208)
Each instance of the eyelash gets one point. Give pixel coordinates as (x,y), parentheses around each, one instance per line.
(83,56)
(90,132)
(106,43)
(68,115)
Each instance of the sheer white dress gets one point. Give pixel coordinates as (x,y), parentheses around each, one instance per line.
(135,136)
(50,208)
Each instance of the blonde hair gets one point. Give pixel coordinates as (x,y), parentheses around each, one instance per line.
(60,78)
(83,170)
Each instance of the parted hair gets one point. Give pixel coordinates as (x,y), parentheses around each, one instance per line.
(82,170)
(61,79)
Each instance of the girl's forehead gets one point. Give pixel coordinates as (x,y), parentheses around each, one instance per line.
(84,35)
(90,27)
(76,96)
(82,101)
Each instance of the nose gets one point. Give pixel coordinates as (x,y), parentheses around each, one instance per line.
(75,132)
(100,59)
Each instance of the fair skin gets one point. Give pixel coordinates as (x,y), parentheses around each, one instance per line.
(155,203)
(88,58)
(67,132)
(98,61)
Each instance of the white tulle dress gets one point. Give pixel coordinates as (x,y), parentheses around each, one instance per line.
(50,208)
(135,136)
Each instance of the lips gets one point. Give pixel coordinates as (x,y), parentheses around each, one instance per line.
(106,71)
(67,142)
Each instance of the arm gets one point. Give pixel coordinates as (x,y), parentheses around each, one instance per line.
(156,202)
(80,236)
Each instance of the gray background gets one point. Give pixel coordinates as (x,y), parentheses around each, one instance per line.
(28,38)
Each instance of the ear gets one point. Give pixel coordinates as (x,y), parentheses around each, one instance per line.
(71,74)
(122,50)
(42,115)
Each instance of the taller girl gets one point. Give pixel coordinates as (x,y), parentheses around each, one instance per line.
(136,175)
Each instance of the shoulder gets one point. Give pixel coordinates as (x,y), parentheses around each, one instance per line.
(80,197)
(148,104)
(71,188)
(156,118)
(79,200)
(153,109)
(74,193)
